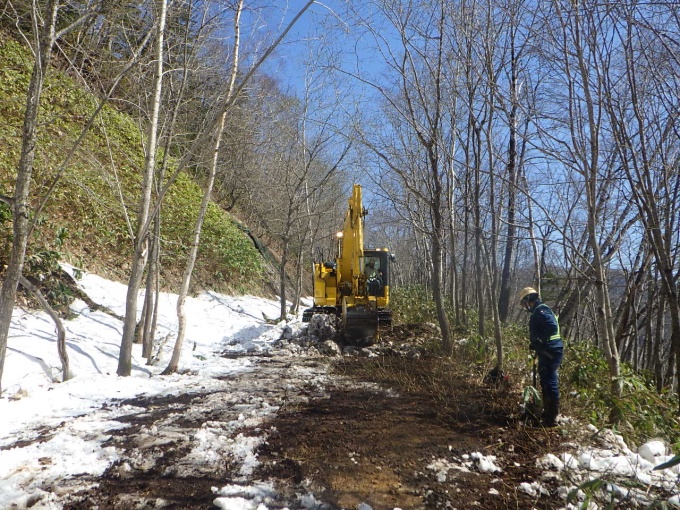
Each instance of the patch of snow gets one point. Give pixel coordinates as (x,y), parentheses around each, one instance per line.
(651,450)
(533,489)
(550,462)
(485,463)
(237,497)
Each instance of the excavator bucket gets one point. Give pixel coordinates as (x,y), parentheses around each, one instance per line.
(359,324)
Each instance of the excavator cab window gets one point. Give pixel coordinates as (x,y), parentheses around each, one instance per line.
(374,269)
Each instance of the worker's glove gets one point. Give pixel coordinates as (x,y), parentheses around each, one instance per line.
(535,345)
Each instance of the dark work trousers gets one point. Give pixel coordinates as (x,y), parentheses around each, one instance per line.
(549,360)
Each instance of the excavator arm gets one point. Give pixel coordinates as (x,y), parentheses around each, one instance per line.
(351,254)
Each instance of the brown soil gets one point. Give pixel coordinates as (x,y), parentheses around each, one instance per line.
(362,446)
(368,436)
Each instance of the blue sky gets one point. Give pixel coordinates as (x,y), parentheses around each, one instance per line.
(323,30)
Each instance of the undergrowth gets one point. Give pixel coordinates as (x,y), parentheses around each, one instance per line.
(90,217)
(584,375)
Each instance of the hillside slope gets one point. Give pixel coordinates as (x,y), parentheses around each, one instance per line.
(88,218)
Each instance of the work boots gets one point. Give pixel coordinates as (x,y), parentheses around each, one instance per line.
(551,409)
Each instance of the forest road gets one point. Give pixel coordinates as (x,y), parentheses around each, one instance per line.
(307,432)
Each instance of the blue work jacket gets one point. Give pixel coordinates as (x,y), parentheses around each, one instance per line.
(544,329)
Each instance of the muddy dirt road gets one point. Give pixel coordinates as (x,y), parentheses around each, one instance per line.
(324,433)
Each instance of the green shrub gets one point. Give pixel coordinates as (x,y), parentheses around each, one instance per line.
(412,304)
(645,413)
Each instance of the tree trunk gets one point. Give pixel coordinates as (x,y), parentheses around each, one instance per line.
(438,295)
(61,332)
(437,237)
(658,342)
(455,300)
(538,275)
(505,286)
(282,276)
(295,300)
(45,38)
(479,265)
(149,302)
(141,244)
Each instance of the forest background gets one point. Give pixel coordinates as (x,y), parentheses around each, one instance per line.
(501,144)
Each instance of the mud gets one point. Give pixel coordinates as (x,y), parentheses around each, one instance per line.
(349,430)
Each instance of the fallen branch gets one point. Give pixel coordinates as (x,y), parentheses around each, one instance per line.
(61,332)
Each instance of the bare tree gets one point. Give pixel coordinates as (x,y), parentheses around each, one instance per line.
(141,241)
(580,140)
(645,130)
(516,104)
(44,37)
(303,156)
(193,252)
(228,101)
(416,110)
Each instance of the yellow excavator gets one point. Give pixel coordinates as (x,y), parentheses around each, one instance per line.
(356,286)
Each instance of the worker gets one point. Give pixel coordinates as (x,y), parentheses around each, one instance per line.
(545,340)
(374,278)
(370,269)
